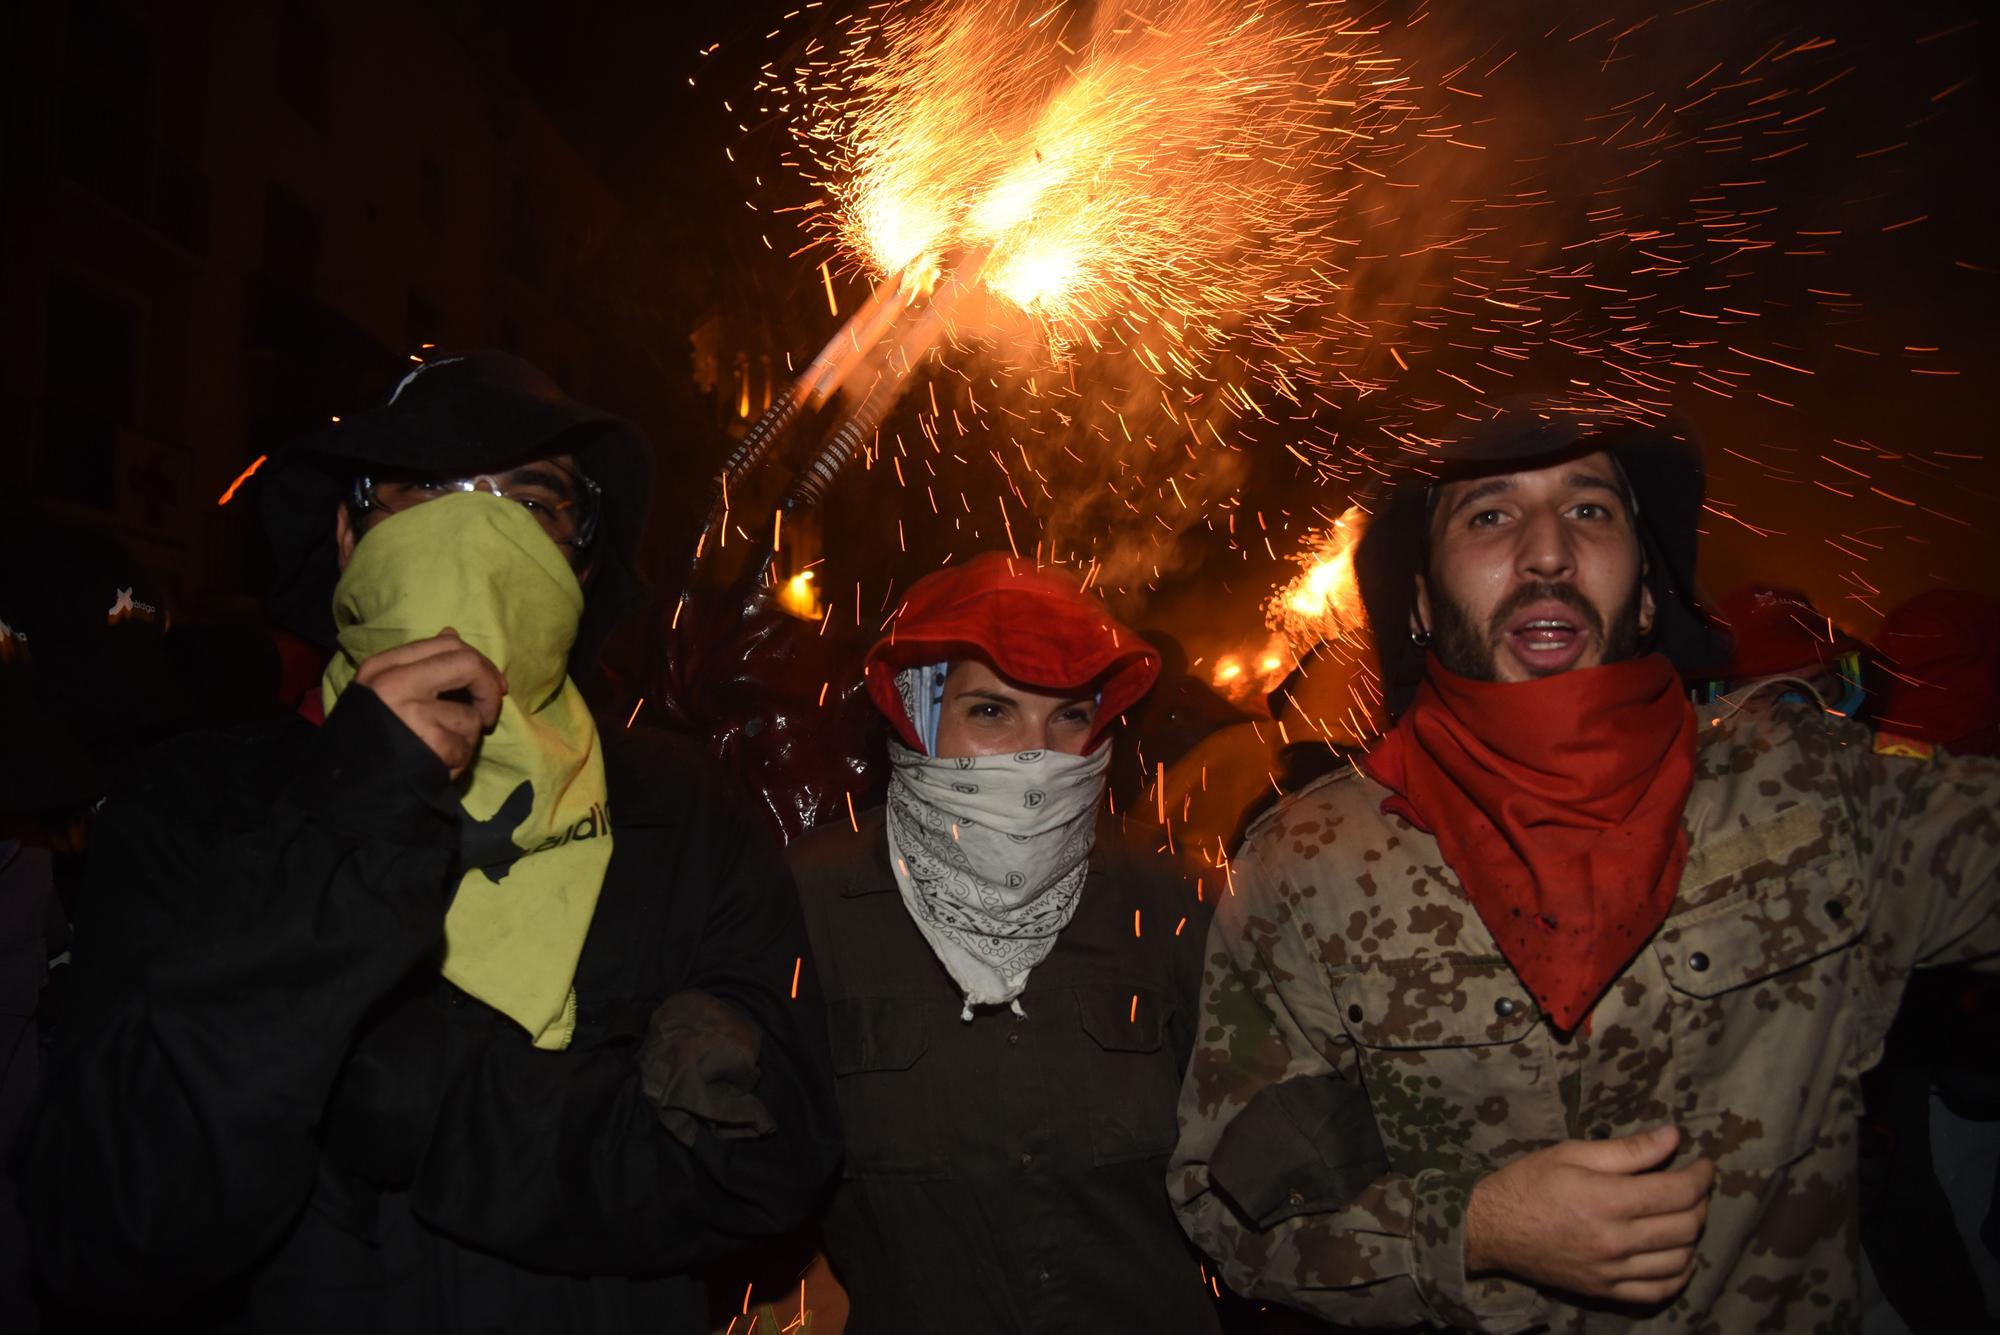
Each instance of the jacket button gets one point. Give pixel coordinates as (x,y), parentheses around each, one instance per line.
(1295,1199)
(1505,1007)
(1698,962)
(1027,1160)
(1835,909)
(1354,1014)
(1013,1036)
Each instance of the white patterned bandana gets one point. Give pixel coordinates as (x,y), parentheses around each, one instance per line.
(989,853)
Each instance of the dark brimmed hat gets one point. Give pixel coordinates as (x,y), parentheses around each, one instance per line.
(457,413)
(1661,463)
(94,619)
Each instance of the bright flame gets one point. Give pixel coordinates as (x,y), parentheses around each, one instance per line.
(798,597)
(1169,167)
(1324,601)
(1328,581)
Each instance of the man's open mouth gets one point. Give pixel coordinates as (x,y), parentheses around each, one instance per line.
(1547,635)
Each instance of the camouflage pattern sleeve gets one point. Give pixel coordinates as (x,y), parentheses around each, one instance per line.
(1929,835)
(1391,1254)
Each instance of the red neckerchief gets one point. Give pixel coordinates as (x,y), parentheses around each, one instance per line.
(1558,803)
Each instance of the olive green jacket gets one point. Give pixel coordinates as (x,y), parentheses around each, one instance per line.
(1349,982)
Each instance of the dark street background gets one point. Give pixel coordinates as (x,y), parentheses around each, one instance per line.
(228,222)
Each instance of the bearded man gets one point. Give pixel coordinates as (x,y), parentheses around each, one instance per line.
(1552,1016)
(1010,988)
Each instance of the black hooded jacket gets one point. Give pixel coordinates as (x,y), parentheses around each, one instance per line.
(269,1112)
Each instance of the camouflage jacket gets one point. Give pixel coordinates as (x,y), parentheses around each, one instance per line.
(1819,874)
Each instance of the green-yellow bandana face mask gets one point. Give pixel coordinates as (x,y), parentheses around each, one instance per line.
(538,837)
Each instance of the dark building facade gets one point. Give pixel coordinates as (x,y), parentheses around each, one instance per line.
(227,222)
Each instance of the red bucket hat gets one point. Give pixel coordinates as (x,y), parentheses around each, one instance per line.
(1777,630)
(1945,689)
(1031,626)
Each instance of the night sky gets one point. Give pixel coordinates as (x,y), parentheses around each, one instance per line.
(617,80)
(1866,475)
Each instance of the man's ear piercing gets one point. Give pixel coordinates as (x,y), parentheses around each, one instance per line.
(1421,638)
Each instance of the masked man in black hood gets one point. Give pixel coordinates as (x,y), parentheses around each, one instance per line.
(435,1008)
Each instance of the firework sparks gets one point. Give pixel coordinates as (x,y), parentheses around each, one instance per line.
(1205,233)
(1149,176)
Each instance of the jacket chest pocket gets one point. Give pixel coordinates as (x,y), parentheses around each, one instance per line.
(1452,1057)
(885,1089)
(1131,1074)
(1762,1014)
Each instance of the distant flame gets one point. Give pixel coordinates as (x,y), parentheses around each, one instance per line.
(1254,671)
(799,597)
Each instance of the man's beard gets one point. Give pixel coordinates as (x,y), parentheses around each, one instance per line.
(1464,650)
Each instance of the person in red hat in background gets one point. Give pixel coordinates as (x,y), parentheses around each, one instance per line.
(1931,1162)
(1011,988)
(1777,632)
(1939,673)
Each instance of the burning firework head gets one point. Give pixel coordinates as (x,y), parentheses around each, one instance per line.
(1661,466)
(1323,602)
(1173,170)
(1238,215)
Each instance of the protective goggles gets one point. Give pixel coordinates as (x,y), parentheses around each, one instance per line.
(567,504)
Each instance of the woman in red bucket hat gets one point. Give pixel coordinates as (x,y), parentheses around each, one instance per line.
(1010,985)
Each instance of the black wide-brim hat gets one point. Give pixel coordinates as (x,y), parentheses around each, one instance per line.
(1661,462)
(457,414)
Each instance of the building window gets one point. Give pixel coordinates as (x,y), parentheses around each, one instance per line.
(423,319)
(291,239)
(91,381)
(522,239)
(110,88)
(304,65)
(430,192)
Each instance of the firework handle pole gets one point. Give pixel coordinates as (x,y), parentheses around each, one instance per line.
(857,426)
(813,386)
(861,421)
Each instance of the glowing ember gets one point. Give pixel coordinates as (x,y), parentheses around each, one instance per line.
(243,477)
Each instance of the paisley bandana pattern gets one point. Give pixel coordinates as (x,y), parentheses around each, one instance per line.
(989,854)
